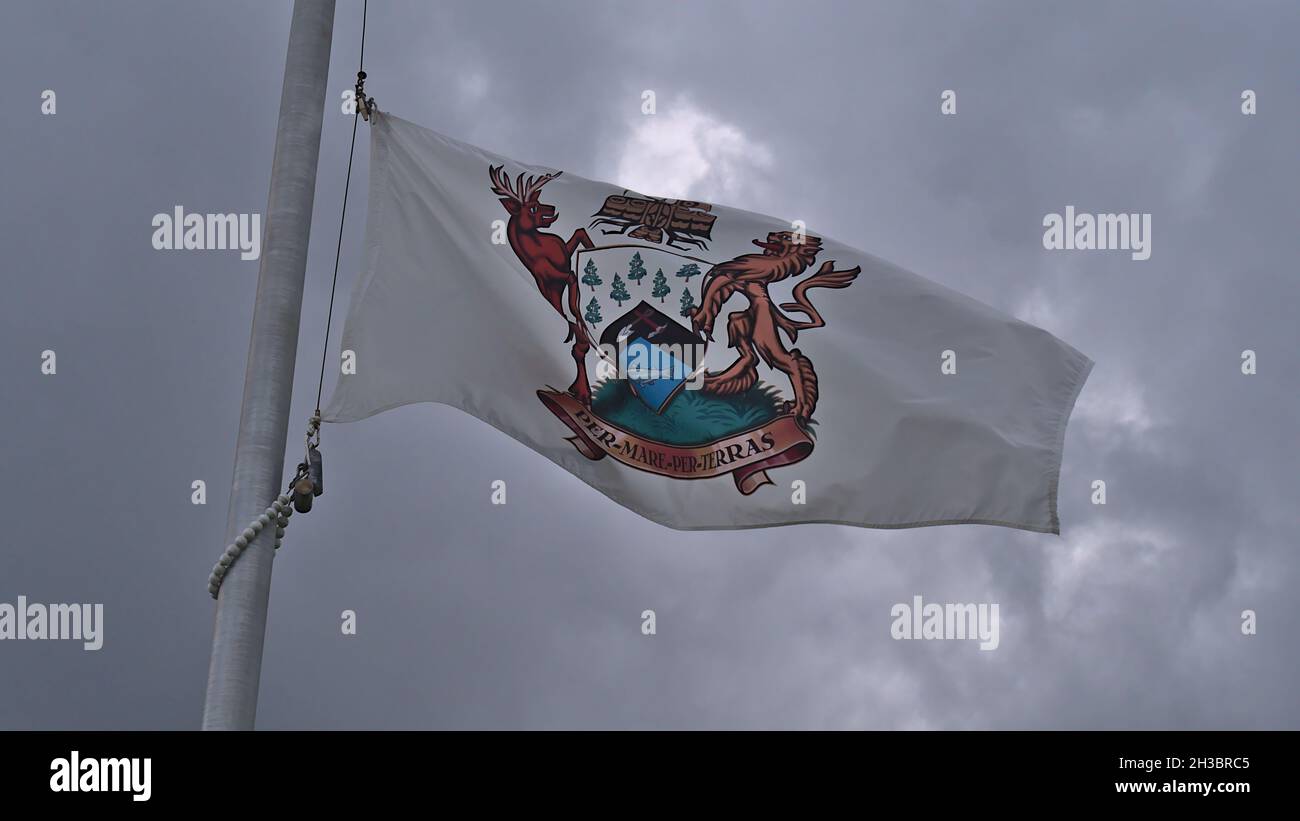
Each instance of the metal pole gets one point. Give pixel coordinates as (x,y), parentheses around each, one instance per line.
(240,629)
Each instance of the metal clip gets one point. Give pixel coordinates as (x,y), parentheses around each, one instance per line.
(300,489)
(365,105)
(315,471)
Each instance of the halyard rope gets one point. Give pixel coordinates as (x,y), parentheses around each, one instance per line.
(363,108)
(281,509)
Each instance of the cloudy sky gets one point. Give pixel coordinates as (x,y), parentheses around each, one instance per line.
(528,615)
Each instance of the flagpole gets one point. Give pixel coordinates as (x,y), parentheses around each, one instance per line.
(240,629)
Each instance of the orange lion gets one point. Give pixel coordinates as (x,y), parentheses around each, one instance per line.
(755,331)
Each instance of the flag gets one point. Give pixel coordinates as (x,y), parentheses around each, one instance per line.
(703,366)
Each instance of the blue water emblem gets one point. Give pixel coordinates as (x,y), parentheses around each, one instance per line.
(649,342)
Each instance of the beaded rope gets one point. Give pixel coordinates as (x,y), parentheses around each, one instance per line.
(279,512)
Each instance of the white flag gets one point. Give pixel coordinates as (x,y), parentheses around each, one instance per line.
(704,366)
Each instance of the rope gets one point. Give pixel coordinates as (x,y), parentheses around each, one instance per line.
(362,104)
(279,512)
(281,509)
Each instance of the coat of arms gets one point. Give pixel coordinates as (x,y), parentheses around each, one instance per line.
(656,405)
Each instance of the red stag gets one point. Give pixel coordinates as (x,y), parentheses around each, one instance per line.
(547,257)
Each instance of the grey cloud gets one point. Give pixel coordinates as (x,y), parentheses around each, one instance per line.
(471,615)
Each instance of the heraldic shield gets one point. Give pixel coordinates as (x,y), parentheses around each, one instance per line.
(653,352)
(650,405)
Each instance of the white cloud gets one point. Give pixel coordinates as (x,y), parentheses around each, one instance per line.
(687,153)
(1040,311)
(1106,555)
(473,85)
(1114,403)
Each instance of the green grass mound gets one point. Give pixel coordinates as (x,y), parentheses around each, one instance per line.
(692,417)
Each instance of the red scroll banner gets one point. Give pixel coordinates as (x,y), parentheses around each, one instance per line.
(747,455)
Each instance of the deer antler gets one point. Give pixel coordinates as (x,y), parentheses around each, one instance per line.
(522,190)
(501,183)
(535,183)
